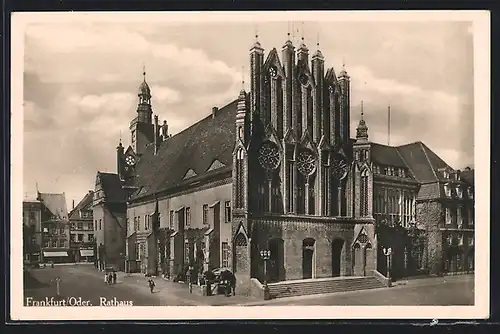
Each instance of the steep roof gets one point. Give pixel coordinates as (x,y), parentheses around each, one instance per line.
(386,155)
(55,203)
(112,187)
(85,204)
(194,148)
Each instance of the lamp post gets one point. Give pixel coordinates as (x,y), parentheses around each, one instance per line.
(388,254)
(265,255)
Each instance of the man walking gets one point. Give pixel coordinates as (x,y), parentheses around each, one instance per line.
(151,285)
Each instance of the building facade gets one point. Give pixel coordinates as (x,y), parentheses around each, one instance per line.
(276,170)
(55,228)
(32,230)
(82,233)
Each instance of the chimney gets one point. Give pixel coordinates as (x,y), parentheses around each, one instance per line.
(73,205)
(214,111)
(164,130)
(156,132)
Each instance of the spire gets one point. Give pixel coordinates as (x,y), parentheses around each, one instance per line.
(144,90)
(362,129)
(343,73)
(256,44)
(242,79)
(318,53)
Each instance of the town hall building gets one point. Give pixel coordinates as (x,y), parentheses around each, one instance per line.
(276,170)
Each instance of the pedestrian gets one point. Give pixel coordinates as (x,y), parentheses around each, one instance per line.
(110,278)
(105,278)
(151,285)
(114,277)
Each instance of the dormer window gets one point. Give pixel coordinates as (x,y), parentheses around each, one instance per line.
(447,190)
(470,193)
(459,192)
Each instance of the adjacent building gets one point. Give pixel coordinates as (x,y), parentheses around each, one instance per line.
(82,233)
(54,228)
(109,208)
(32,230)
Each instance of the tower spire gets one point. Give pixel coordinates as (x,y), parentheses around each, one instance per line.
(242,78)
(362,129)
(362,113)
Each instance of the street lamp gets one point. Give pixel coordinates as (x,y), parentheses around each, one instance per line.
(388,254)
(265,255)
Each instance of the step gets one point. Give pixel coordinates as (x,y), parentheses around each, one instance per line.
(321,286)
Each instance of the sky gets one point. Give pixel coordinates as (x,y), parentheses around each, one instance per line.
(81,79)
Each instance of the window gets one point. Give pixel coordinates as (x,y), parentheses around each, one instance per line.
(445,175)
(459,192)
(471,217)
(62,231)
(364,194)
(449,240)
(90,226)
(447,216)
(45,230)
(188,216)
(100,224)
(459,261)
(80,226)
(137,251)
(470,193)
(95,226)
(447,190)
(80,237)
(91,237)
(460,240)
(459,217)
(470,240)
(470,262)
(205,214)
(54,243)
(72,237)
(225,255)
(46,243)
(146,222)
(171,219)
(227,211)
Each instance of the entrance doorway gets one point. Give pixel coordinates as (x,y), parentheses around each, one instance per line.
(337,246)
(276,270)
(307,258)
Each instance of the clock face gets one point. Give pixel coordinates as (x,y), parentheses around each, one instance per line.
(306,162)
(339,168)
(273,71)
(130,160)
(269,157)
(303,79)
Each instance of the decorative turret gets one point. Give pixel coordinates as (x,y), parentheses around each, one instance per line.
(120,159)
(288,55)
(303,52)
(344,119)
(362,129)
(141,127)
(256,78)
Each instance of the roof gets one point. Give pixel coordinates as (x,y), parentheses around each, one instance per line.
(467,175)
(112,187)
(386,155)
(55,203)
(85,204)
(195,148)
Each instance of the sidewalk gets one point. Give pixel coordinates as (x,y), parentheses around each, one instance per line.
(168,290)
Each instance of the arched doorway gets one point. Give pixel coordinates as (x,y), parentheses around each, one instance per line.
(276,270)
(308,258)
(337,246)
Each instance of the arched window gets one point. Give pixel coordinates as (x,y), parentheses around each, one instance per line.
(364,193)
(240,195)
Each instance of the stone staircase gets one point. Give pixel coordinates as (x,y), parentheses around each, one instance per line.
(322,285)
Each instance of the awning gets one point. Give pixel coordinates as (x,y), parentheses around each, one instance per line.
(86,252)
(54,254)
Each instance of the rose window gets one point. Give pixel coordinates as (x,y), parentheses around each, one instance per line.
(303,79)
(306,163)
(339,168)
(269,157)
(130,160)
(273,71)
(363,238)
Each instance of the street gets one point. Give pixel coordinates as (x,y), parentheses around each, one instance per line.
(85,284)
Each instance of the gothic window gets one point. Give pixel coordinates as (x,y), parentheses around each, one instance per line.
(227,211)
(364,194)
(303,79)
(269,157)
(273,71)
(306,162)
(459,217)
(225,255)
(459,192)
(187,212)
(339,168)
(240,240)
(290,185)
(205,214)
(240,186)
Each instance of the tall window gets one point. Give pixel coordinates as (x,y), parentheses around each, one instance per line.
(459,217)
(72,237)
(205,214)
(227,211)
(171,219)
(188,216)
(80,237)
(290,185)
(240,195)
(90,226)
(364,194)
(447,216)
(225,255)
(80,226)
(146,222)
(91,237)
(100,224)
(471,217)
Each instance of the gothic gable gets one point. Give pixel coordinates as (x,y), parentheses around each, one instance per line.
(362,238)
(306,141)
(271,135)
(273,59)
(241,236)
(289,137)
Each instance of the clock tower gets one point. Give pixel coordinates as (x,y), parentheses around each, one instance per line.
(141,127)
